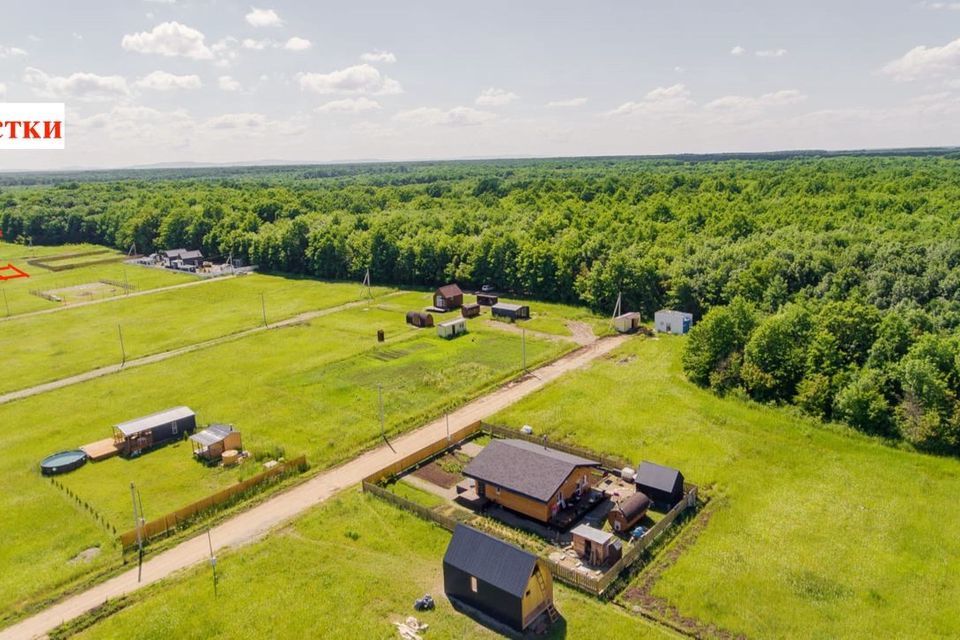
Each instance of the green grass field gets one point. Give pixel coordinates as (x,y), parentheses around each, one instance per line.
(19,300)
(309,388)
(53,346)
(817,532)
(356,565)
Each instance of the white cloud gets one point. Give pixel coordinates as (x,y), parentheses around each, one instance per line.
(163,81)
(263,18)
(226,51)
(11,52)
(349,105)
(662,100)
(494,97)
(572,102)
(925,61)
(771,53)
(455,117)
(169,39)
(3,89)
(256,45)
(82,86)
(236,121)
(361,78)
(297,44)
(749,103)
(228,84)
(737,51)
(379,56)
(936,6)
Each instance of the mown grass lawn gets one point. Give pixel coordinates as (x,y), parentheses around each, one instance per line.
(17,291)
(52,346)
(309,388)
(817,532)
(347,570)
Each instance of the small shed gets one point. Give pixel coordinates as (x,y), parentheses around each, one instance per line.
(448,297)
(210,443)
(419,319)
(510,311)
(627,322)
(452,328)
(663,485)
(470,310)
(628,512)
(670,321)
(487,299)
(596,546)
(171,255)
(136,436)
(193,258)
(496,578)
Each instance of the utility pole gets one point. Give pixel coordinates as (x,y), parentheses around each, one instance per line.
(383,433)
(213,562)
(137,523)
(523,343)
(263,309)
(123,351)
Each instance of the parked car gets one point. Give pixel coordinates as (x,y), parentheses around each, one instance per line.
(487,288)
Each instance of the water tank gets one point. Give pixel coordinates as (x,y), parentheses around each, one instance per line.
(628,474)
(527,429)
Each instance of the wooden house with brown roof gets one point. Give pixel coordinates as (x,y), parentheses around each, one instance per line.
(448,297)
(530,478)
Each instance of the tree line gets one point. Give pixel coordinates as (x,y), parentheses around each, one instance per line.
(828,282)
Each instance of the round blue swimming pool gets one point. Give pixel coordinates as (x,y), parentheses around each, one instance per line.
(62,462)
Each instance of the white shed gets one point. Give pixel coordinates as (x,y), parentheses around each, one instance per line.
(670,321)
(628,322)
(452,328)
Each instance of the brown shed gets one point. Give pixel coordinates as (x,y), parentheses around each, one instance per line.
(596,546)
(487,299)
(628,512)
(419,319)
(470,310)
(448,297)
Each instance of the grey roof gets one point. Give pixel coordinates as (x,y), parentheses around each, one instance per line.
(212,434)
(174,253)
(450,323)
(651,474)
(509,306)
(591,533)
(185,255)
(491,560)
(524,467)
(450,291)
(629,314)
(154,420)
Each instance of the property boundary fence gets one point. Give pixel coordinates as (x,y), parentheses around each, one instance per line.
(174,520)
(101,519)
(118,284)
(587,583)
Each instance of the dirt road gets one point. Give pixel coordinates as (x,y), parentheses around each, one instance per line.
(255,523)
(173,353)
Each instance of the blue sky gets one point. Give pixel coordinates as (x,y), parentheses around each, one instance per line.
(149,81)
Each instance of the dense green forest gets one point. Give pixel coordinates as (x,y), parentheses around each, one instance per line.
(828,282)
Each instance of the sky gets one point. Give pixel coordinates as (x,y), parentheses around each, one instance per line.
(223,81)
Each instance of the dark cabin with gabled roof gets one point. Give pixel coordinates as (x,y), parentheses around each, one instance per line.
(448,297)
(530,478)
(496,578)
(663,485)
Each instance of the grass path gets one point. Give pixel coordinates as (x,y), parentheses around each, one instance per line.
(253,524)
(165,355)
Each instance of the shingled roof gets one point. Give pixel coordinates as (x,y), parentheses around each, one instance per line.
(493,561)
(523,467)
(651,474)
(450,291)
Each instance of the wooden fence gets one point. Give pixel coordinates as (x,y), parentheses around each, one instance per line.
(172,521)
(572,577)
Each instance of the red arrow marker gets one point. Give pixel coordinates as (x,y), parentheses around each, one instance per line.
(10,272)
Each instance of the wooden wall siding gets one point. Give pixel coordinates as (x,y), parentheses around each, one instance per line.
(535,599)
(517,502)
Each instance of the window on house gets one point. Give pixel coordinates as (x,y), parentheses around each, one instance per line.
(473,584)
(174,430)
